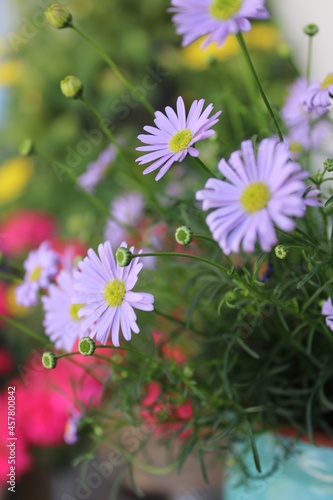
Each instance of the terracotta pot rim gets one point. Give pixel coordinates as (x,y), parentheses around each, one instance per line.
(320,438)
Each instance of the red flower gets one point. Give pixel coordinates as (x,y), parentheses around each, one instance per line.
(24,230)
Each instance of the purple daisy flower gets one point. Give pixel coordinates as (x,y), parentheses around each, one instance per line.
(306,131)
(293,112)
(317,97)
(96,169)
(41,266)
(61,322)
(106,290)
(327,310)
(71,433)
(260,192)
(126,211)
(215,18)
(175,135)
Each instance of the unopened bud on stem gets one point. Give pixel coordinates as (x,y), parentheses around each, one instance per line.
(59,17)
(123,256)
(26,148)
(49,360)
(184,235)
(71,87)
(311,29)
(281,252)
(86,346)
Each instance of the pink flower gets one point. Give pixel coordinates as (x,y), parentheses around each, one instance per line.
(4,310)
(153,393)
(170,351)
(56,392)
(166,413)
(6,362)
(24,230)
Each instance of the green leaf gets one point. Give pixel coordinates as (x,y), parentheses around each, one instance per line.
(247,348)
(312,273)
(195,302)
(246,271)
(254,448)
(202,466)
(136,487)
(225,431)
(143,343)
(309,424)
(325,402)
(329,201)
(260,260)
(258,409)
(225,370)
(186,452)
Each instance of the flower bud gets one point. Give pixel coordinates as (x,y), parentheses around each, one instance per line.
(49,360)
(87,346)
(184,235)
(188,372)
(281,252)
(58,16)
(71,87)
(328,165)
(27,148)
(311,29)
(123,256)
(98,430)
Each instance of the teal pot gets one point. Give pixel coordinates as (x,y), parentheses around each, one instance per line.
(290,471)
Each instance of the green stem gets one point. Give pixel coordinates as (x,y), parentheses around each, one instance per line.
(92,199)
(211,240)
(175,320)
(198,162)
(9,277)
(206,238)
(116,70)
(256,77)
(308,67)
(24,329)
(100,120)
(132,172)
(157,471)
(67,354)
(177,254)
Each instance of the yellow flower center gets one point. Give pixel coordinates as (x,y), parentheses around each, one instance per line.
(255,197)
(73,310)
(180,140)
(224,9)
(36,274)
(295,147)
(325,84)
(114,293)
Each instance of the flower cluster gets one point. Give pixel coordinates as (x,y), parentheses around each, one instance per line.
(215,19)
(237,240)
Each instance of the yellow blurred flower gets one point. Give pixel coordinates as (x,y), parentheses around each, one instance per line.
(15,174)
(11,72)
(13,308)
(261,37)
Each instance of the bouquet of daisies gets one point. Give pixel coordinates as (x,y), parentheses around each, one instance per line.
(205,303)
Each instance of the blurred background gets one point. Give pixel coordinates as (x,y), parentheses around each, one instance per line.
(37,203)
